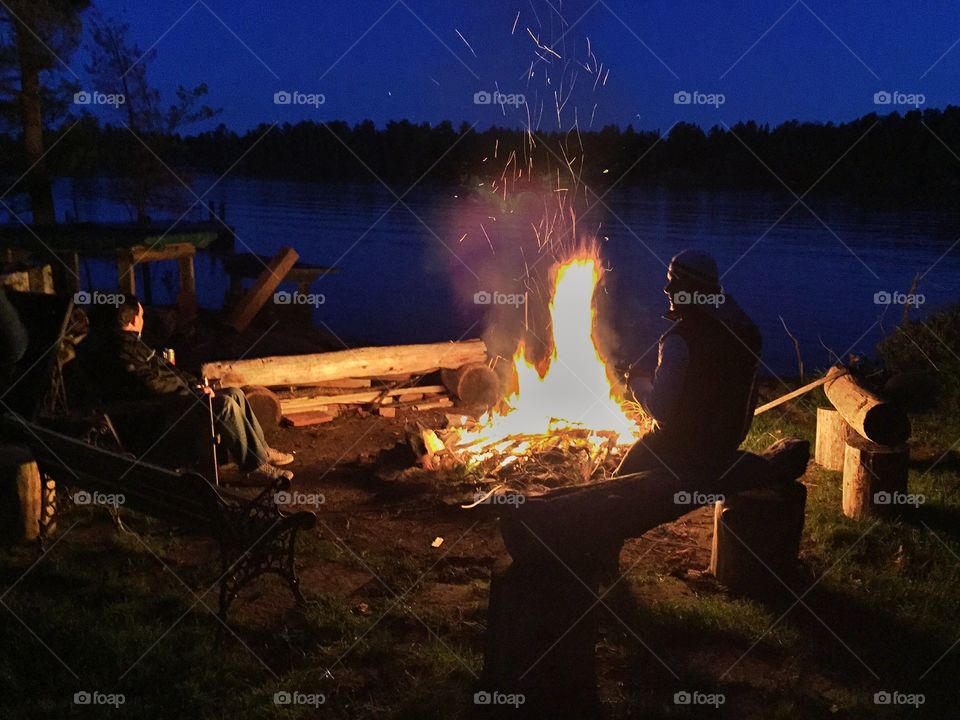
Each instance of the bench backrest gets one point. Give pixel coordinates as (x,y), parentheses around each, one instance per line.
(45,318)
(186,499)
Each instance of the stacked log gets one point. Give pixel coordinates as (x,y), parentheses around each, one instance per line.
(313,389)
(873,434)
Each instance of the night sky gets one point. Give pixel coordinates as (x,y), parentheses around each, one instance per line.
(394,59)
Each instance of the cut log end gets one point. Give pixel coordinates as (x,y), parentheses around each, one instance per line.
(832,433)
(874,478)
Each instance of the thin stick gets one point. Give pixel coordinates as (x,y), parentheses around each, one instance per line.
(831,375)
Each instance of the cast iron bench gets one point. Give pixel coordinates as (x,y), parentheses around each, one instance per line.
(255,537)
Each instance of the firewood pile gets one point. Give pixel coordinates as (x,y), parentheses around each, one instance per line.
(314,389)
(472,468)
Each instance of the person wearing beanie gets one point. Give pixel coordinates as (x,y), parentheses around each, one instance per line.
(704,390)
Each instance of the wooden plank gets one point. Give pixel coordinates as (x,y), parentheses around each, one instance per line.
(172,251)
(303,403)
(346,383)
(280,371)
(304,419)
(433,405)
(258,294)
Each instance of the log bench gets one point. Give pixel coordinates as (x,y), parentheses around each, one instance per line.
(254,536)
(543,616)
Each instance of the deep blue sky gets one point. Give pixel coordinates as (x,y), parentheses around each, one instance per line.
(779,59)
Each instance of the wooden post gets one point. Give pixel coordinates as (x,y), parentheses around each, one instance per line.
(756,536)
(126,272)
(187,297)
(874,478)
(20,495)
(261,290)
(831,439)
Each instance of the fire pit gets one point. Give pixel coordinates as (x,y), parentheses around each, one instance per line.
(567,419)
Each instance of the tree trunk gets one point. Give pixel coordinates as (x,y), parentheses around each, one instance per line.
(31,117)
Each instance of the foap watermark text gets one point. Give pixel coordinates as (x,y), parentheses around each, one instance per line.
(283,297)
(498,98)
(484,297)
(686,97)
(295,97)
(95,97)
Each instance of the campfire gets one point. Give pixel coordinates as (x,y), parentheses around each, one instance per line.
(569,406)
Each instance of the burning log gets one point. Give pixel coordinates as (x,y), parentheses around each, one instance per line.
(474,384)
(864,411)
(832,433)
(279,371)
(874,477)
(542,620)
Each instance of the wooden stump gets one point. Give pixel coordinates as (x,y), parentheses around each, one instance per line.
(474,384)
(542,631)
(756,536)
(265,405)
(20,495)
(831,439)
(874,478)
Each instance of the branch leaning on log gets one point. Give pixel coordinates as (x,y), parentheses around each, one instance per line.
(582,520)
(279,371)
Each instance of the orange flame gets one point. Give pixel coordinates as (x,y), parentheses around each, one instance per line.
(575,389)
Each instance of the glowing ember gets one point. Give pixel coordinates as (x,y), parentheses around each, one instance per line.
(576,389)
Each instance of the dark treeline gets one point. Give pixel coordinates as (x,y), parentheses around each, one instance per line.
(911,158)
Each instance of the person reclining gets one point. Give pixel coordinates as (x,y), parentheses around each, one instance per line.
(145,375)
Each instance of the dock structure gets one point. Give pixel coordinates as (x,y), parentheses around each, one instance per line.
(63,245)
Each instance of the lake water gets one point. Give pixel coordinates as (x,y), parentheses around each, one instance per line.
(403,275)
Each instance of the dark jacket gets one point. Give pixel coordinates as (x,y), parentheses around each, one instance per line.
(144,374)
(13,335)
(713,409)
